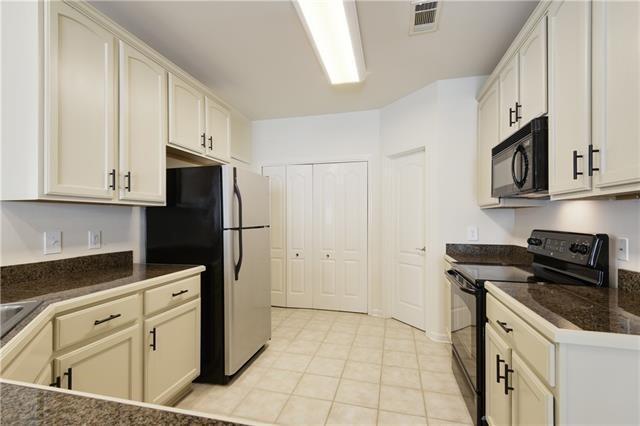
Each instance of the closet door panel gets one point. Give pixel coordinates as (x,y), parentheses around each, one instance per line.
(277,185)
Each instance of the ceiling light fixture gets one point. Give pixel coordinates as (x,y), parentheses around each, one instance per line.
(332,27)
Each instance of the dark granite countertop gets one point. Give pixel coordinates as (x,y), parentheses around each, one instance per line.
(30,405)
(73,283)
(585,308)
(492,254)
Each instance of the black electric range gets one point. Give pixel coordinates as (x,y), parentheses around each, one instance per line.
(559,257)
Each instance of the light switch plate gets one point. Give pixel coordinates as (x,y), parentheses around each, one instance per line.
(52,242)
(622,249)
(472,233)
(95,239)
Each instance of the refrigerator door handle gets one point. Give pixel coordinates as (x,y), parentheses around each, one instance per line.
(236,192)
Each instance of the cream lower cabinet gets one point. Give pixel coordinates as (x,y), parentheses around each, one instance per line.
(110,366)
(498,403)
(172,351)
(33,365)
(532,402)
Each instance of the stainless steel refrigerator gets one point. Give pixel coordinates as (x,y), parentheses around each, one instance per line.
(218,216)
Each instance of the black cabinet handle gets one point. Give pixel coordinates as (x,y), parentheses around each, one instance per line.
(179,293)
(591,169)
(127,178)
(507,388)
(56,383)
(69,374)
(518,116)
(153,341)
(503,325)
(511,121)
(112,174)
(498,362)
(575,165)
(109,318)
(210,142)
(203,143)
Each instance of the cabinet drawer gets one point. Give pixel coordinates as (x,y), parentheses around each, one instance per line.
(86,323)
(531,345)
(171,294)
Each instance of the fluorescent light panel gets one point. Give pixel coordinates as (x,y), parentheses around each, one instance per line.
(332,26)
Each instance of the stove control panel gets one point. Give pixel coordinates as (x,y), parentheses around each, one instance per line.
(581,249)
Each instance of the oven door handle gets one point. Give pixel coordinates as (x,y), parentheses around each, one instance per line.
(466,289)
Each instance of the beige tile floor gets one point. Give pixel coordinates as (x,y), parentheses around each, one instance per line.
(331,368)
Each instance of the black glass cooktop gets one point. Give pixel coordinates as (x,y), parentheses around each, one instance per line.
(480,273)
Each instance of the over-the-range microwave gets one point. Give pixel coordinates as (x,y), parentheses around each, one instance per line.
(519,165)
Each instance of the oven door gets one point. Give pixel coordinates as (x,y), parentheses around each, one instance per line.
(464,327)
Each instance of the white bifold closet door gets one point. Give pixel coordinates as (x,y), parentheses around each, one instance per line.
(278,223)
(340,236)
(299,234)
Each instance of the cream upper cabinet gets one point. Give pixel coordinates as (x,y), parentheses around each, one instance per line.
(216,130)
(277,192)
(532,402)
(143,127)
(488,137)
(569,96)
(110,366)
(186,115)
(172,351)
(498,357)
(533,74)
(616,93)
(508,91)
(80,134)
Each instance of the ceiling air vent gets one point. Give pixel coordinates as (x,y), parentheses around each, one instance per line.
(424,16)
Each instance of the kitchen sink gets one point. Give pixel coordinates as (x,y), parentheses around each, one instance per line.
(12,313)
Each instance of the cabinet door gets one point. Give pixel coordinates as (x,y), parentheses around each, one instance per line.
(340,236)
(616,92)
(508,98)
(32,359)
(498,357)
(569,95)
(45,376)
(111,366)
(217,130)
(299,230)
(186,116)
(143,127)
(277,185)
(533,74)
(532,402)
(488,137)
(172,352)
(79,144)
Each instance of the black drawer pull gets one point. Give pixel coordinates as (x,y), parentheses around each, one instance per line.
(503,325)
(576,173)
(498,362)
(69,374)
(57,383)
(153,342)
(179,293)
(507,388)
(109,318)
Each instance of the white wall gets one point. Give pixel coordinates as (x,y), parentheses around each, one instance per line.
(23,223)
(617,218)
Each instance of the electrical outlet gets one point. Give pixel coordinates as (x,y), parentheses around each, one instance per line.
(52,242)
(622,249)
(95,239)
(472,233)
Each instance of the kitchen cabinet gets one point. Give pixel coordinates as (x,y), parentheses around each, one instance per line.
(532,402)
(143,127)
(110,366)
(498,355)
(488,137)
(172,352)
(509,106)
(31,366)
(80,93)
(186,115)
(615,154)
(569,96)
(216,130)
(533,74)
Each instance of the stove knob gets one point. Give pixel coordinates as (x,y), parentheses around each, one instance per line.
(534,241)
(583,249)
(573,248)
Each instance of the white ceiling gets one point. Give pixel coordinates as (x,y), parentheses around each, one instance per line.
(257,57)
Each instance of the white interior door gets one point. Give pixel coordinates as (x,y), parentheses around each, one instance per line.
(299,231)
(277,188)
(340,236)
(409,248)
